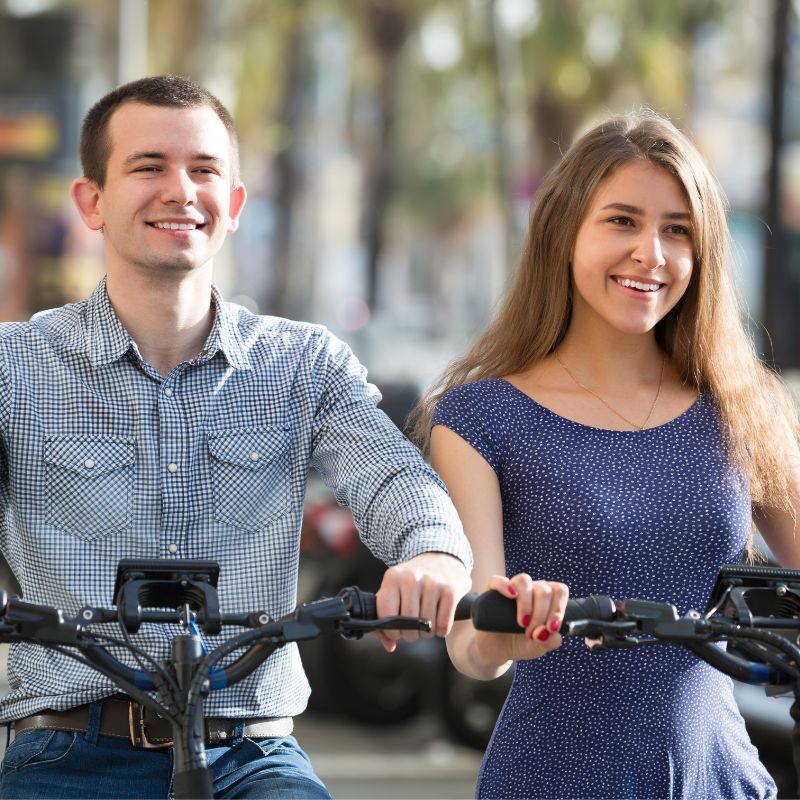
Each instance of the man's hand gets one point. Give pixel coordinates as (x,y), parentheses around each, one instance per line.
(427,586)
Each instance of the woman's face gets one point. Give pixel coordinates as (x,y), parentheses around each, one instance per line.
(633,255)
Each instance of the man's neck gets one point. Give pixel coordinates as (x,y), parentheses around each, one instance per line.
(169,320)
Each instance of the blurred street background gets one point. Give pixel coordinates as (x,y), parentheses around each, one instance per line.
(391,149)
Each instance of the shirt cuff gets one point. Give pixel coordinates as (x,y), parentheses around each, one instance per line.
(438,540)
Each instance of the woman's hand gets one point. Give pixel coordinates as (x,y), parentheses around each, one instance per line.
(540,610)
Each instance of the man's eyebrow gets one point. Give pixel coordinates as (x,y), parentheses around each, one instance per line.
(145,155)
(678,215)
(155,155)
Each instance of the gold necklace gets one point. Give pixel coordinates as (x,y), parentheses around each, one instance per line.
(612,409)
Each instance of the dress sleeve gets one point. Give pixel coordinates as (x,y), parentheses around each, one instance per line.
(468,411)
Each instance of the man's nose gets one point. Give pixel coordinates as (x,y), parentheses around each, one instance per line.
(178,187)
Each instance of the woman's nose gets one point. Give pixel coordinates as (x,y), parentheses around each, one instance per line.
(648,251)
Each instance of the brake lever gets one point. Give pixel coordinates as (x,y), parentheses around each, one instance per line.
(595,629)
(356,628)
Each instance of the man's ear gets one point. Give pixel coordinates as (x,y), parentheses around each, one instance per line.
(86,196)
(238,198)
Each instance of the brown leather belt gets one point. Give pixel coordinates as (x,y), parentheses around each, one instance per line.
(126,719)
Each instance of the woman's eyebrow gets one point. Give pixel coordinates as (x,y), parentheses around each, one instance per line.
(628,209)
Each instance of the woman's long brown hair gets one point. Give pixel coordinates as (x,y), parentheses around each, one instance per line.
(704,334)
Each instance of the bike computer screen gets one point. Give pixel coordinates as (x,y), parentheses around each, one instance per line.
(760,591)
(167,570)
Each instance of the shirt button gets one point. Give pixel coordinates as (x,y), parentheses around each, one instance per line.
(168,392)
(89,463)
(173,468)
(173,548)
(254,456)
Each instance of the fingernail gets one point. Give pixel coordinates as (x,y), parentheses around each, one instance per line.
(555,624)
(526,620)
(512,591)
(543,635)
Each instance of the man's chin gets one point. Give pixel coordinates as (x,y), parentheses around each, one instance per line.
(175,266)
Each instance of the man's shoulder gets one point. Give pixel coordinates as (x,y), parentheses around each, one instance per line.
(52,321)
(51,324)
(272,330)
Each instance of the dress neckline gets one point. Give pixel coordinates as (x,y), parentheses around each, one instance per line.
(569,421)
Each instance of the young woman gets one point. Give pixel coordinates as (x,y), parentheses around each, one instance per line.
(614,432)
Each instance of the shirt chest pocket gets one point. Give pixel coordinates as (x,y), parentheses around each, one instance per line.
(89,483)
(250,475)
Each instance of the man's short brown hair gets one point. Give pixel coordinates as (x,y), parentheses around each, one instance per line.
(171,91)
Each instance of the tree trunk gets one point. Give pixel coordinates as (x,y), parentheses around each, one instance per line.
(388,24)
(780,290)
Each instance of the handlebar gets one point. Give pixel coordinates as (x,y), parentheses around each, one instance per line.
(491,611)
(758,628)
(353,612)
(763,651)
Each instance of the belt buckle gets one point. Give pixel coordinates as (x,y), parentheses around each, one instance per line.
(136,726)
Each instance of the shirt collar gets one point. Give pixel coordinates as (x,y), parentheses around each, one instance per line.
(225,335)
(108,340)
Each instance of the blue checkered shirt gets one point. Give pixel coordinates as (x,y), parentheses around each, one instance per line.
(102,458)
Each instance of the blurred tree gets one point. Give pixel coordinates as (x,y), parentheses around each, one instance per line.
(781,301)
(387,25)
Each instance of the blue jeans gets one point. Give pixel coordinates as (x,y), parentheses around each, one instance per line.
(45,764)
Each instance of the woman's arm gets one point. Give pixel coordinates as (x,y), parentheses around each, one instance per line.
(475,491)
(780,527)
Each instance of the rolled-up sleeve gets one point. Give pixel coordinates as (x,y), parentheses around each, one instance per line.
(399,503)
(5,416)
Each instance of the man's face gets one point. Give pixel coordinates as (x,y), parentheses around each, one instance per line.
(167,204)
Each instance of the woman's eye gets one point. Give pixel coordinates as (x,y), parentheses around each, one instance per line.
(627,221)
(680,230)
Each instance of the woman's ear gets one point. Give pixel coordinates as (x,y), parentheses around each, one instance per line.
(86,195)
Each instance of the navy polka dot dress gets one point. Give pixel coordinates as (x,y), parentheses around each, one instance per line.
(647,514)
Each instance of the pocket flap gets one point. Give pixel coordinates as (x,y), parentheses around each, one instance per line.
(253,448)
(90,455)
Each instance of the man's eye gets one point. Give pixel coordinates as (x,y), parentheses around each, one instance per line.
(147,169)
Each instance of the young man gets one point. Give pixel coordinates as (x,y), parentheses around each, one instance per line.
(154,420)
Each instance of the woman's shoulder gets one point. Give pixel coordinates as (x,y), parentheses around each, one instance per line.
(477,390)
(481,397)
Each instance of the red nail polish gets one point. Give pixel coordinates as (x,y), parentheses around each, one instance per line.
(555,625)
(526,620)
(543,635)
(512,591)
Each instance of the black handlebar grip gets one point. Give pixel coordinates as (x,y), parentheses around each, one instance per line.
(491,611)
(597,607)
(464,606)
(360,604)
